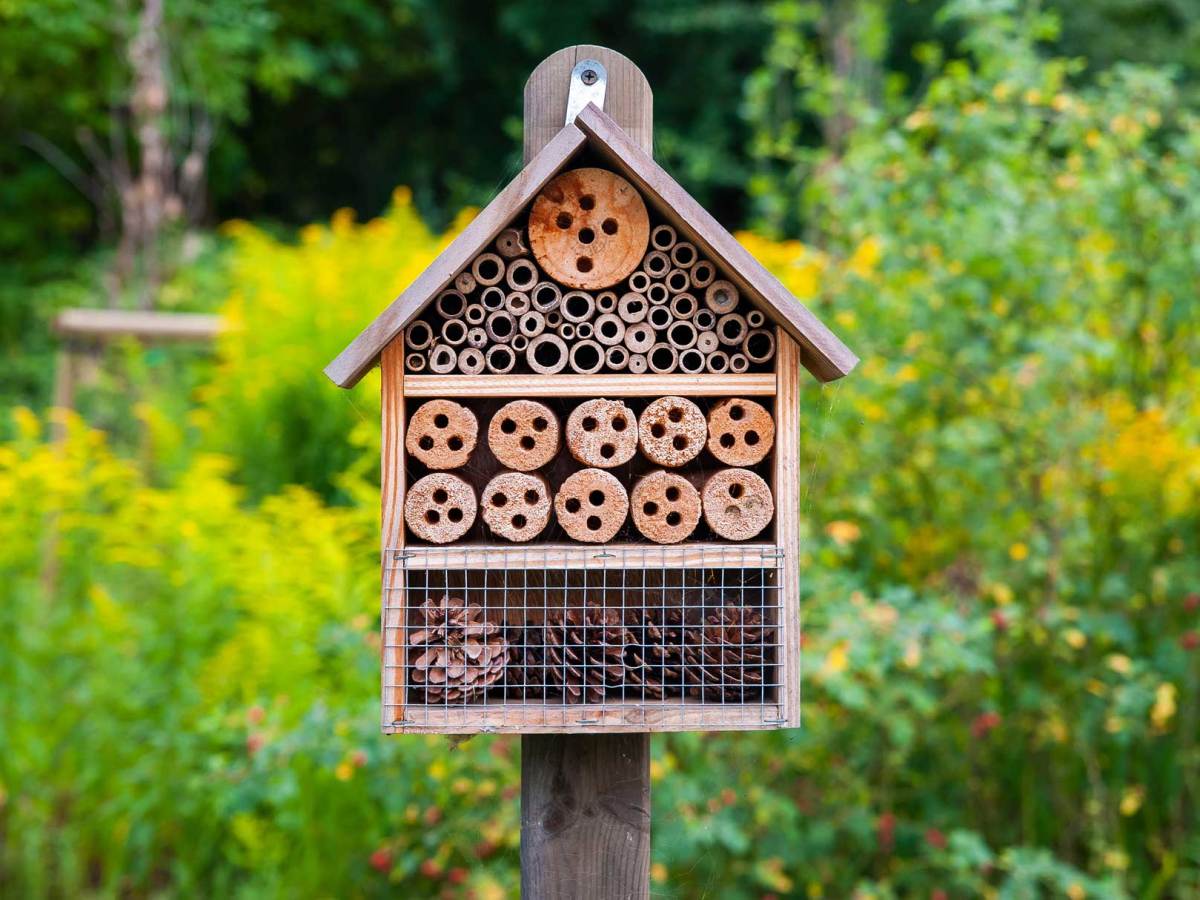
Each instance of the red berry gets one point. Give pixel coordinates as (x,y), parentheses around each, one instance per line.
(1191,602)
(1189,640)
(887,831)
(999,621)
(381,860)
(484,849)
(254,743)
(935,839)
(255,715)
(433,815)
(939,894)
(430,868)
(457,875)
(984,723)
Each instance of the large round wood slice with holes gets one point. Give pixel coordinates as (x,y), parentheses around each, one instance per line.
(589,228)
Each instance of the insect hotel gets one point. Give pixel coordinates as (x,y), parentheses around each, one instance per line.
(591,461)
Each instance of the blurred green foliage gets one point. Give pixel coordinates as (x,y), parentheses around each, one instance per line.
(1001,562)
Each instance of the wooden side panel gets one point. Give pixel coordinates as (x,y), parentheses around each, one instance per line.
(627,98)
(787,501)
(360,355)
(824,354)
(392,619)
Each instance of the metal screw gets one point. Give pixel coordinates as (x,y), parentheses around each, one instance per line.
(589,76)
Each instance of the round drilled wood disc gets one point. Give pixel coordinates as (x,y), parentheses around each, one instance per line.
(588,228)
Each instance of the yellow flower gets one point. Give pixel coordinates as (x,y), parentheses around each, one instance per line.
(344,771)
(1002,594)
(1019,551)
(1033,96)
(658,872)
(437,769)
(1075,891)
(1117,859)
(1164,706)
(1075,638)
(1120,663)
(843,532)
(865,257)
(918,119)
(1002,91)
(657,770)
(1131,800)
(837,659)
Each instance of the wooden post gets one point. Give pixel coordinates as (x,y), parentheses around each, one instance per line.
(585,799)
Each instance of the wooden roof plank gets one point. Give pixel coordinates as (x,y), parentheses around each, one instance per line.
(824,354)
(358,357)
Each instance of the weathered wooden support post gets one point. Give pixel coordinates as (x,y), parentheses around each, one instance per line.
(585,798)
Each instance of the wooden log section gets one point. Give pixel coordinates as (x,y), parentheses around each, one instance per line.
(524,435)
(665,507)
(602,433)
(591,506)
(440,508)
(738,504)
(672,431)
(585,816)
(741,432)
(442,434)
(516,505)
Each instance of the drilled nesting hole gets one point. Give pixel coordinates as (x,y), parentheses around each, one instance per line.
(609,226)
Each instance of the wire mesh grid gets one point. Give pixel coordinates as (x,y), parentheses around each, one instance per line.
(567,636)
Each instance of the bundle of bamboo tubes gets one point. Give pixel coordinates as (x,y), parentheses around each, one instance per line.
(673,313)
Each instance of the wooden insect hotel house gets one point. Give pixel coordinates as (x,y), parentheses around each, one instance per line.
(591,459)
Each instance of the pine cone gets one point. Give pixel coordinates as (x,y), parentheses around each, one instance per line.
(727,657)
(525,674)
(457,655)
(585,652)
(654,662)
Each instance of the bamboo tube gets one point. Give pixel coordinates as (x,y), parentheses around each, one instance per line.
(678,281)
(475,313)
(415,362)
(691,361)
(721,297)
(547,354)
(522,275)
(638,282)
(662,358)
(566,331)
(470,361)
(587,357)
(517,303)
(738,363)
(616,358)
(639,337)
(706,342)
(637,363)
(451,304)
(519,343)
(492,298)
(731,329)
(609,330)
(500,359)
(704,319)
(684,255)
(659,317)
(464,282)
(682,334)
(442,359)
(531,324)
(663,238)
(656,264)
(606,302)
(755,318)
(553,318)
(703,272)
(418,335)
(546,296)
(684,306)
(759,345)
(577,306)
(477,337)
(657,294)
(488,269)
(501,326)
(717,362)
(632,308)
(511,243)
(583,330)
(454,332)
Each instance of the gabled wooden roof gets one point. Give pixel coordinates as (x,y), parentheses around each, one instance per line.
(822,353)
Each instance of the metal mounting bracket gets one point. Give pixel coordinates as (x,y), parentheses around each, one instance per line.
(589,78)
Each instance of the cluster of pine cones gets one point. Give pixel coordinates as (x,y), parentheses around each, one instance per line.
(587,654)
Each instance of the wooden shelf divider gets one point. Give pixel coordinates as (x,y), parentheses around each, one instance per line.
(580,556)
(647,385)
